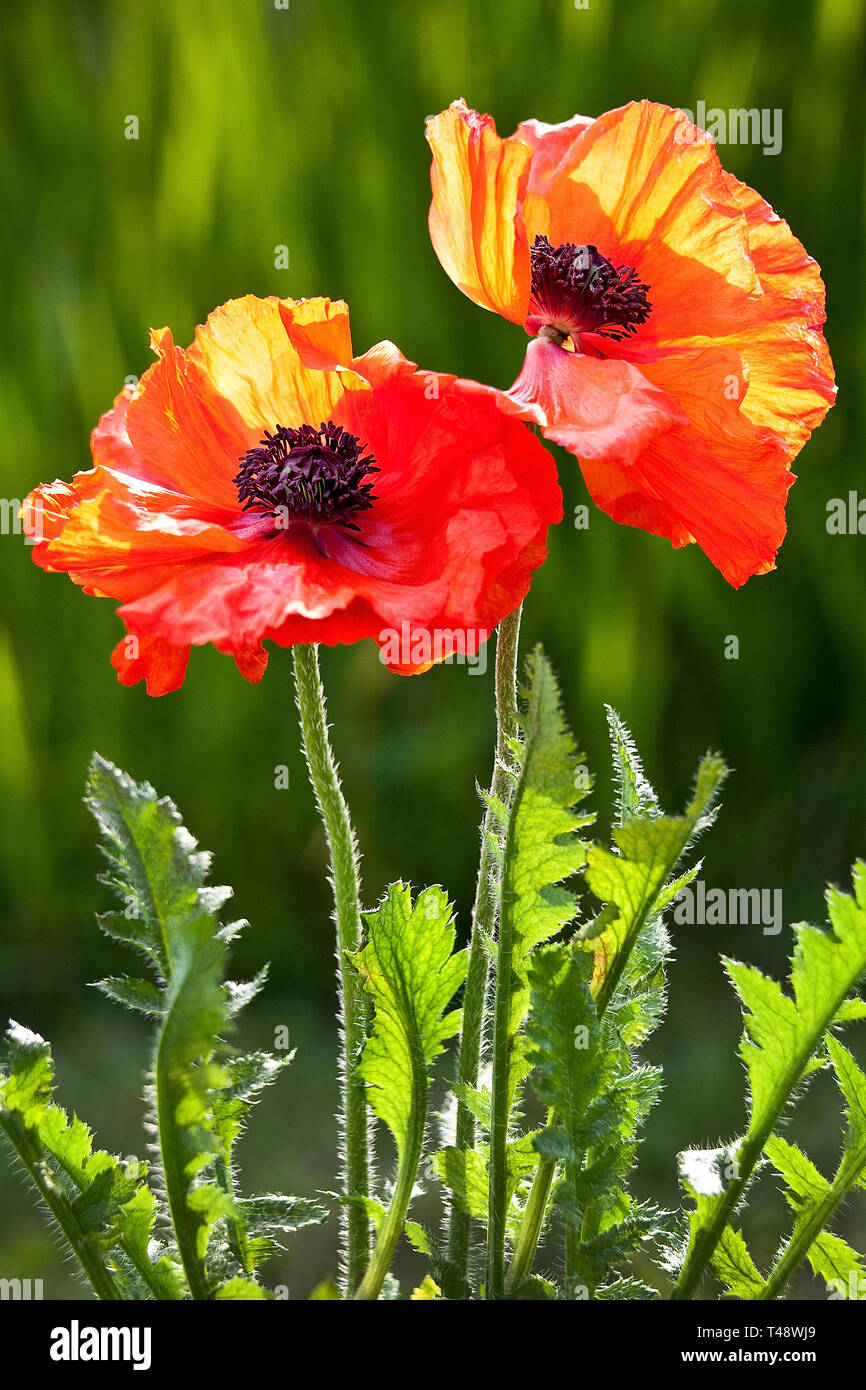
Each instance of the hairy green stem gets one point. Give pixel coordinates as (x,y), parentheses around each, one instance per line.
(483,920)
(500,1090)
(342,847)
(500,1086)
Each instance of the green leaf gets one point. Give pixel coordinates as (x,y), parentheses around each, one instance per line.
(594,1114)
(536,1290)
(252,1224)
(852,1083)
(635,797)
(139,995)
(448,1277)
(735,1266)
(241,1290)
(571,1070)
(814,1199)
(154,868)
(202,1091)
(540,841)
(100,1203)
(412,973)
(466,1173)
(633,879)
(779,1047)
(540,849)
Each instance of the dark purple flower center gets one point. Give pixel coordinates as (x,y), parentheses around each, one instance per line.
(577,290)
(307,474)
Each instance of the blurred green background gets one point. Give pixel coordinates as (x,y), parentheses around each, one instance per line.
(303,127)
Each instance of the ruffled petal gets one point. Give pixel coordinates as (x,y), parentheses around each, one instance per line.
(597,408)
(720,481)
(116,530)
(791,377)
(479,181)
(249,357)
(184,433)
(142,657)
(649,191)
(549,144)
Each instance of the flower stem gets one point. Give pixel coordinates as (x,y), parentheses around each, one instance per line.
(483,919)
(501,1085)
(343,850)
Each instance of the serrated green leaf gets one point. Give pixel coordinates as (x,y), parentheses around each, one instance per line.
(202,1092)
(410,969)
(635,796)
(814,1199)
(412,973)
(633,879)
(735,1266)
(542,844)
(779,1047)
(139,995)
(239,1289)
(596,1113)
(571,1070)
(465,1173)
(448,1277)
(100,1202)
(536,1290)
(542,849)
(156,871)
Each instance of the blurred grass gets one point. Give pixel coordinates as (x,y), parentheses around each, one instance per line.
(303,127)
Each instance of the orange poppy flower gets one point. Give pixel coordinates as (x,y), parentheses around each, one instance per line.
(678,349)
(267,484)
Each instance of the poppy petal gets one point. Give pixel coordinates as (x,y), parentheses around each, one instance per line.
(143,657)
(791,378)
(247,354)
(720,481)
(252,662)
(479,181)
(597,408)
(649,191)
(187,434)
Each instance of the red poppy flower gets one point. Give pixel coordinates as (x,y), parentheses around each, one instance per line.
(679,351)
(267,484)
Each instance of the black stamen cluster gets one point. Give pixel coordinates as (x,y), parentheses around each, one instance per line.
(579,287)
(316,475)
